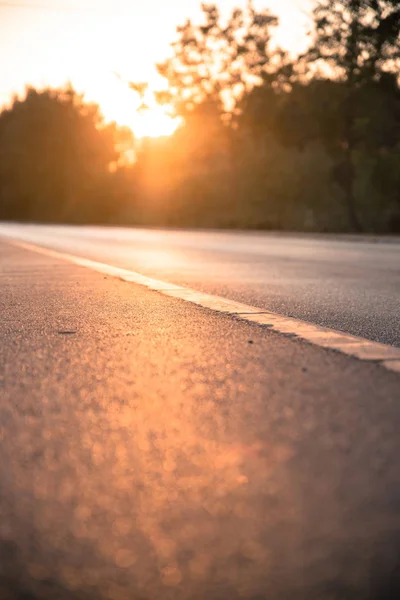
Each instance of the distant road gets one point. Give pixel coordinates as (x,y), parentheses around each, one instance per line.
(352,286)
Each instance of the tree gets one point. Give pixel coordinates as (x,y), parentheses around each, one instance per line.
(56,156)
(218,61)
(358,39)
(358,42)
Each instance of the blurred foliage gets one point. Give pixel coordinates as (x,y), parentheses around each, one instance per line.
(266,141)
(58,159)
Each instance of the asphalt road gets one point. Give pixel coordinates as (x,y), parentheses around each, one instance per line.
(149,451)
(346,285)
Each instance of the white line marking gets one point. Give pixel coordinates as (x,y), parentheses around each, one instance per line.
(392,365)
(356,347)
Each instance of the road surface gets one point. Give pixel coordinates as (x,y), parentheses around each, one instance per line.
(348,286)
(150,448)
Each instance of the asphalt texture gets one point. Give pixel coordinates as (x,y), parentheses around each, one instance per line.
(151,449)
(351,286)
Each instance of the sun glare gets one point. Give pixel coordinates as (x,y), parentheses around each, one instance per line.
(154,123)
(76,37)
(120,104)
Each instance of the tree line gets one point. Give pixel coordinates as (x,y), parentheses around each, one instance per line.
(266,140)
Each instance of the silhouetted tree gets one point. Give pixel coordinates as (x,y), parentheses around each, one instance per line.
(218,61)
(267,143)
(359,41)
(56,157)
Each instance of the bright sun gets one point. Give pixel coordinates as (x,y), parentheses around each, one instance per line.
(120,104)
(153,122)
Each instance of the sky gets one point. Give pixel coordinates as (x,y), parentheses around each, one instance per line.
(47,42)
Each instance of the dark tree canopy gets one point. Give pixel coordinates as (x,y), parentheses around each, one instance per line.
(55,153)
(358,39)
(358,42)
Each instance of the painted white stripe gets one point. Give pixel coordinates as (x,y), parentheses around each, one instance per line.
(363,349)
(392,365)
